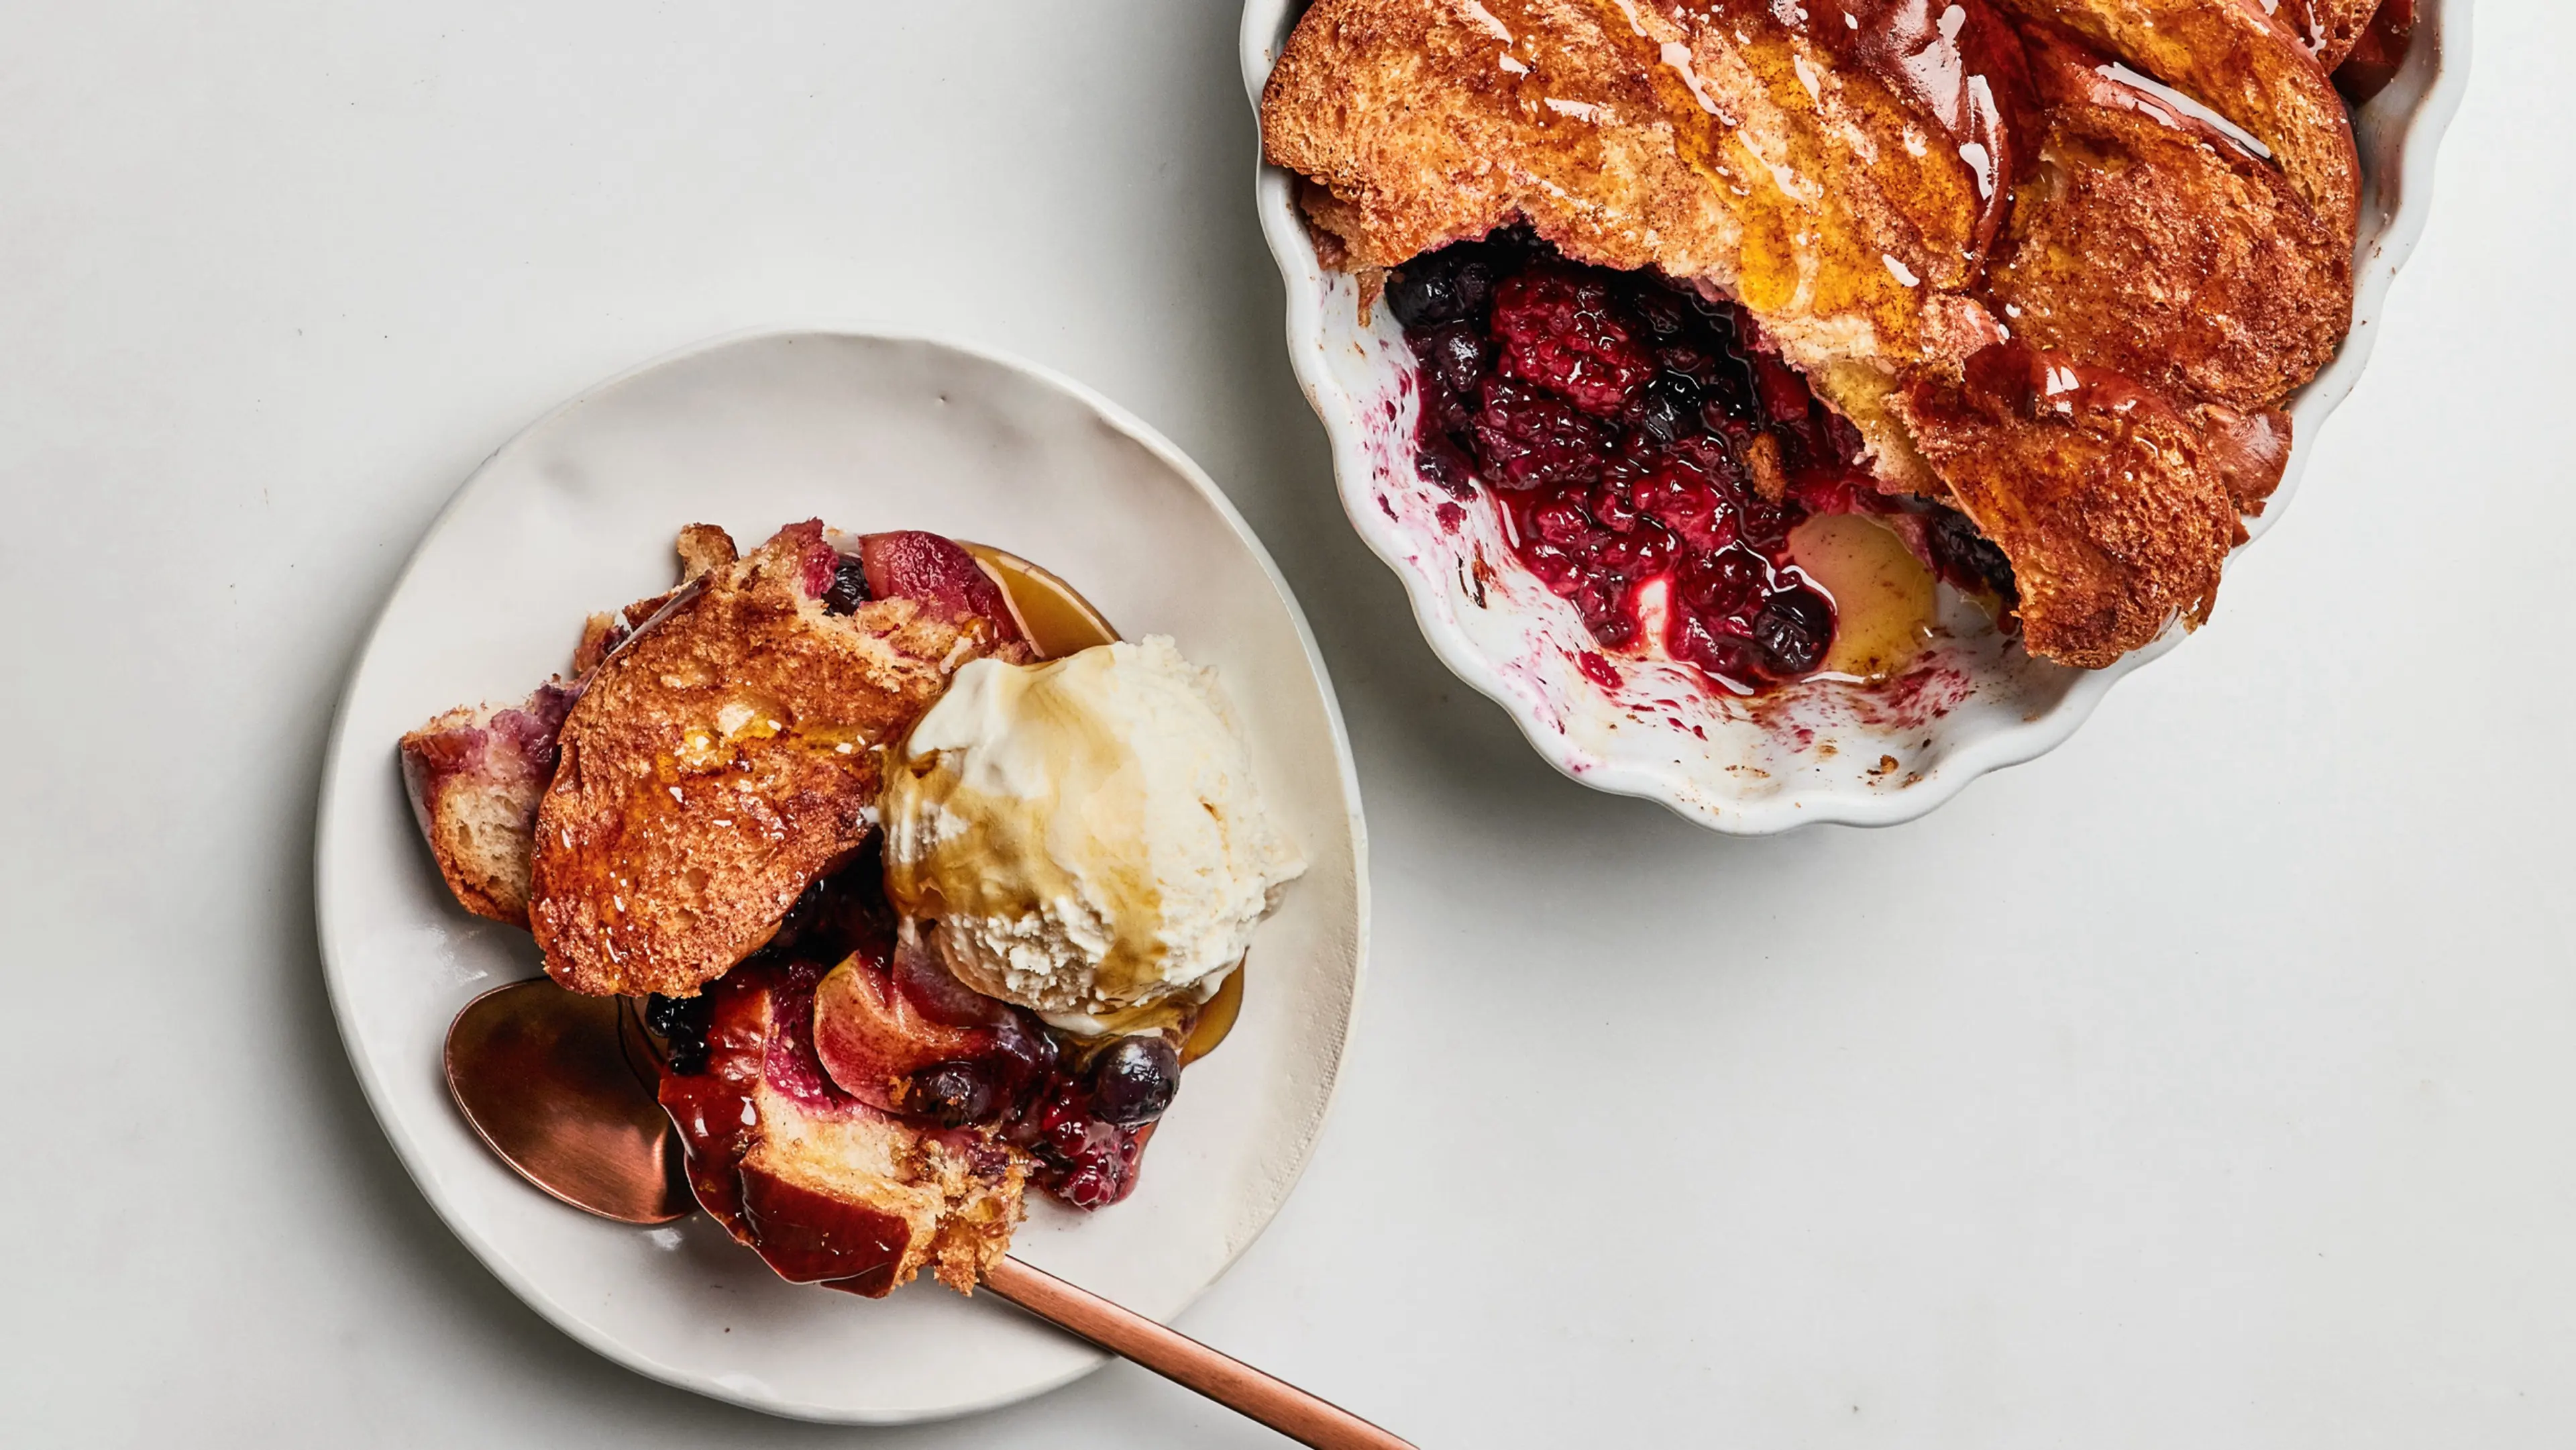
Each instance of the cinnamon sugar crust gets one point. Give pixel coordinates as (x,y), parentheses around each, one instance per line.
(2097,490)
(2166,252)
(2246,65)
(721,763)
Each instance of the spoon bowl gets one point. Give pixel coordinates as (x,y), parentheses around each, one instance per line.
(541,1075)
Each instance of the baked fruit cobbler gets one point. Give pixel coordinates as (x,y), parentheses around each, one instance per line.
(2019,286)
(707,819)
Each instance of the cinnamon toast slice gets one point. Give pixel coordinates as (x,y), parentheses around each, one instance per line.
(2045,456)
(475,776)
(2152,243)
(723,760)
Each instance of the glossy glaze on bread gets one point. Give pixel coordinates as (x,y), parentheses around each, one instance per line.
(725,760)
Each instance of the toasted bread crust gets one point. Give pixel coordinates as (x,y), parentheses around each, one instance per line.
(722,762)
(2095,489)
(1419,134)
(2247,66)
(2176,259)
(475,776)
(2329,28)
(701,547)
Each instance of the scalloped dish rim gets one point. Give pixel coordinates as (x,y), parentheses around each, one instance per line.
(2400,134)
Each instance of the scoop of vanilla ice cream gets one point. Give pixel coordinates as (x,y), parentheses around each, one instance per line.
(1086,833)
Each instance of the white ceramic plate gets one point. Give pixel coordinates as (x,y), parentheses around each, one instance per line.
(1819,752)
(867,432)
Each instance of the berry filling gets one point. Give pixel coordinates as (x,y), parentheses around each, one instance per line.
(888,1029)
(1648,455)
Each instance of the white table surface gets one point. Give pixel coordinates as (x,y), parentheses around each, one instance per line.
(2207,1083)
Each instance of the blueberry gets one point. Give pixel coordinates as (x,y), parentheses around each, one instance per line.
(1668,410)
(849,588)
(1719,584)
(1133,1080)
(1455,353)
(1439,459)
(1660,309)
(1793,629)
(1966,555)
(1025,1055)
(802,917)
(682,1021)
(1438,288)
(954,1094)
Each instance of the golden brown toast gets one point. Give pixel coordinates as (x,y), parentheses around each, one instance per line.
(2042,454)
(476,774)
(1808,205)
(2246,65)
(2150,244)
(701,547)
(723,760)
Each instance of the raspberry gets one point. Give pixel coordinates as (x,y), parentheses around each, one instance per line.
(1554,567)
(1559,331)
(1690,502)
(1640,553)
(1720,585)
(1089,1188)
(1562,523)
(1612,507)
(1526,438)
(1100,1172)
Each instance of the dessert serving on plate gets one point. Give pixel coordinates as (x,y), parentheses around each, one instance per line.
(1813,368)
(910,916)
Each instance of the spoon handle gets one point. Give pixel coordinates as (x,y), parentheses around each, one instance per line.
(1177,1357)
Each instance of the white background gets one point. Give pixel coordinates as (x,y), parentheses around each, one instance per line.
(2208,1082)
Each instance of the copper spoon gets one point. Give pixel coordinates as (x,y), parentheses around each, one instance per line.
(550,1081)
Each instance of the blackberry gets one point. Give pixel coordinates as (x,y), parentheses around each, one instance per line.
(1526,438)
(1559,330)
(682,1021)
(1440,288)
